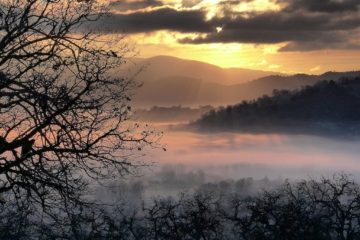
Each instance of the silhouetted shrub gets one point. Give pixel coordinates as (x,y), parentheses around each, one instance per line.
(314,209)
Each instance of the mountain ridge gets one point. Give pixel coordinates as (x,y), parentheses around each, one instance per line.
(166,83)
(166,66)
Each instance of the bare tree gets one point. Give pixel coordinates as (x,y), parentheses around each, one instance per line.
(63,116)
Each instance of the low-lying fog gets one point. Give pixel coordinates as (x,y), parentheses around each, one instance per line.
(194,159)
(245,155)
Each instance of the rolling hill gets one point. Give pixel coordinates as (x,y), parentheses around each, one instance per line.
(170,81)
(162,67)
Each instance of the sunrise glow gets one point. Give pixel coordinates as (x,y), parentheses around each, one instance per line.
(212,35)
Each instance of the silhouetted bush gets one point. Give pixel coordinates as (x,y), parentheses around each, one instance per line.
(314,209)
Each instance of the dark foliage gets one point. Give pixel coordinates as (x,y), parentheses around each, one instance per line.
(315,209)
(63,116)
(328,106)
(171,114)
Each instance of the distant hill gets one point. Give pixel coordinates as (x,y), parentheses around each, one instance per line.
(169,81)
(328,107)
(161,67)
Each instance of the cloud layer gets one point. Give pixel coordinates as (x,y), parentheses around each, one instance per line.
(303,25)
(155,20)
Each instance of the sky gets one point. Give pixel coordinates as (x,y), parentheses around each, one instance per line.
(291,36)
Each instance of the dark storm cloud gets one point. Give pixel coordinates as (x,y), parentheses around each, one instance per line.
(274,27)
(304,24)
(134,5)
(305,27)
(326,6)
(160,19)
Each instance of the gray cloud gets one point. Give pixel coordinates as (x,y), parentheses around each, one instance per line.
(280,27)
(304,24)
(326,6)
(160,19)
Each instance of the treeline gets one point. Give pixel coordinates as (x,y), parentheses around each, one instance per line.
(332,106)
(315,209)
(171,114)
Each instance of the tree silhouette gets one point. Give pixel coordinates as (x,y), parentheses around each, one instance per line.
(298,111)
(62,113)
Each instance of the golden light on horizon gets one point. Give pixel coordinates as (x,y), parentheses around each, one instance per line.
(236,54)
(231,55)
